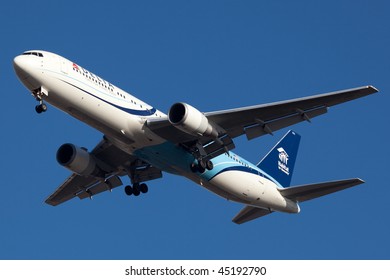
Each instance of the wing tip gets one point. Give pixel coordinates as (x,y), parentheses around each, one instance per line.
(359,181)
(51,202)
(372,88)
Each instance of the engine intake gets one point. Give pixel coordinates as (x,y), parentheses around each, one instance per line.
(78,160)
(191,121)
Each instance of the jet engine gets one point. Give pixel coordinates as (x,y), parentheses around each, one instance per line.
(78,160)
(191,121)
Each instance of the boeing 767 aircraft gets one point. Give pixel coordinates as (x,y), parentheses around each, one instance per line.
(141,142)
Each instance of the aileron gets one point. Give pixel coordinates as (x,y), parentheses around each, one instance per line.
(69,189)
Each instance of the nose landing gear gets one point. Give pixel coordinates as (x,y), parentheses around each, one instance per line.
(39,93)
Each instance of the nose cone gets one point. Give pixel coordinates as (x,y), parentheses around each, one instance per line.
(21,66)
(26,68)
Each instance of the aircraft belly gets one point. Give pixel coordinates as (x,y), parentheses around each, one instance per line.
(235,185)
(254,190)
(244,185)
(167,157)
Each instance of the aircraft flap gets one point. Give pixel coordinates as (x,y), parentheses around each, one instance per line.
(262,128)
(108,185)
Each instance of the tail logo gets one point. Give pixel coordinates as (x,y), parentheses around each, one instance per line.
(283,160)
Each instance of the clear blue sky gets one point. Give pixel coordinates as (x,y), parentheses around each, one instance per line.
(214,55)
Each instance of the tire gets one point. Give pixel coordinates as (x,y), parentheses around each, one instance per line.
(43,107)
(201,167)
(136,190)
(38,109)
(209,165)
(194,167)
(143,188)
(128,190)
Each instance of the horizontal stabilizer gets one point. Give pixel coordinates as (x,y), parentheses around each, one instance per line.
(307,192)
(249,213)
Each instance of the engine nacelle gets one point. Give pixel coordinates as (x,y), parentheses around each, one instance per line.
(77,160)
(191,121)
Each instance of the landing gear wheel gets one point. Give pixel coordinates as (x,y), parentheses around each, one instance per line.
(194,167)
(41,108)
(38,109)
(136,189)
(201,167)
(44,107)
(129,190)
(209,165)
(143,188)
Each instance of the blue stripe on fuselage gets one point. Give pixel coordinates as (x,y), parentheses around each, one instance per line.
(174,159)
(147,112)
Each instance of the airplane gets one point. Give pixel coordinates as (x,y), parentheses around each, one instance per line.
(141,142)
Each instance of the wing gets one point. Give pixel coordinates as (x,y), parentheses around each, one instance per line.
(255,121)
(115,163)
(258,120)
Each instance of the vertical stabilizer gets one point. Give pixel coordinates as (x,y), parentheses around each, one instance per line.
(279,162)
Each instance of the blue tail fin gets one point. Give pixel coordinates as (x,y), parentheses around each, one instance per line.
(279,162)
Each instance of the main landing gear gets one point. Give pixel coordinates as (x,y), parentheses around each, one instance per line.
(201,166)
(136,189)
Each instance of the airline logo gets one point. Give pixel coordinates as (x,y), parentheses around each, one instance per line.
(92,77)
(283,161)
(75,67)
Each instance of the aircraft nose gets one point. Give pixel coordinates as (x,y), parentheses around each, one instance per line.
(27,69)
(21,66)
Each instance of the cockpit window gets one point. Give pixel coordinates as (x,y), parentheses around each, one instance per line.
(33,53)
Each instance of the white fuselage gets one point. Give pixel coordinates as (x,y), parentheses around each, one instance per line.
(121,117)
